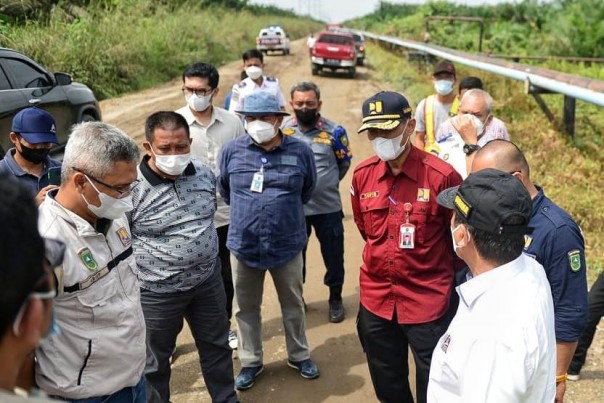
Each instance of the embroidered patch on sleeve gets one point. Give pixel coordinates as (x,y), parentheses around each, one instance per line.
(574,259)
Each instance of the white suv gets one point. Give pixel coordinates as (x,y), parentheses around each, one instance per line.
(272,38)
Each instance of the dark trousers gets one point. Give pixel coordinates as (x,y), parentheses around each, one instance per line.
(225,260)
(596,312)
(203,309)
(386,343)
(330,233)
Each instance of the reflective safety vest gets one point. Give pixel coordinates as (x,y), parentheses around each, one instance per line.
(429,118)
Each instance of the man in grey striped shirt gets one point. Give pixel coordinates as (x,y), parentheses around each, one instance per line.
(176,249)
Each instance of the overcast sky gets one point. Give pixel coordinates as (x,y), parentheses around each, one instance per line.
(342,10)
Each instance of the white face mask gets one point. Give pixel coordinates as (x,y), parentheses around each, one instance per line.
(172,164)
(197,103)
(110,208)
(478,124)
(443,87)
(455,246)
(261,132)
(390,149)
(253,72)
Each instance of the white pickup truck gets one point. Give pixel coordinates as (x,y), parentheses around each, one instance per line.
(272,38)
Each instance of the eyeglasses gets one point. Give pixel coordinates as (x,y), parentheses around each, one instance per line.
(122,192)
(200,92)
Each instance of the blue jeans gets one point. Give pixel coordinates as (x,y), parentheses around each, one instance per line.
(203,307)
(131,394)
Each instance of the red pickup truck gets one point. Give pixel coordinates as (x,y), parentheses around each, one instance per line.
(334,51)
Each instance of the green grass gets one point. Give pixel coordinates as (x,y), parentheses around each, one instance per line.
(137,44)
(570,171)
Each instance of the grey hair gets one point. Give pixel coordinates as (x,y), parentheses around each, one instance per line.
(94,147)
(304,86)
(477,92)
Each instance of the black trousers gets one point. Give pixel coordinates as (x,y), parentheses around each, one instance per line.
(386,346)
(330,233)
(596,312)
(225,260)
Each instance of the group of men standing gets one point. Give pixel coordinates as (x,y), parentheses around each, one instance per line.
(218,200)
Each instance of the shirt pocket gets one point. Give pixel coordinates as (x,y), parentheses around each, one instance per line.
(375,216)
(101,304)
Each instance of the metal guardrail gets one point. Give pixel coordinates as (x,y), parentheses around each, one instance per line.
(582,88)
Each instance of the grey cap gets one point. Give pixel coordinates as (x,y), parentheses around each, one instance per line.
(260,103)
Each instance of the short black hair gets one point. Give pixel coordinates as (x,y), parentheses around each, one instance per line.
(202,70)
(500,248)
(304,86)
(21,249)
(252,54)
(166,120)
(469,83)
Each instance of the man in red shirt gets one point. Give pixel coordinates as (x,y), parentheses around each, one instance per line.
(408,262)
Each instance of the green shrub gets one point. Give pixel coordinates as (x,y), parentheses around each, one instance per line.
(118,46)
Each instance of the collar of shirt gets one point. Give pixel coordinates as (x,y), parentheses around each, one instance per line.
(538,200)
(472,289)
(154,179)
(249,142)
(253,83)
(319,124)
(409,169)
(83,227)
(190,118)
(16,168)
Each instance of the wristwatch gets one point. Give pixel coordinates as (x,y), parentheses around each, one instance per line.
(470,148)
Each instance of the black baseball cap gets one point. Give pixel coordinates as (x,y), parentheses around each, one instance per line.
(384,111)
(444,67)
(487,198)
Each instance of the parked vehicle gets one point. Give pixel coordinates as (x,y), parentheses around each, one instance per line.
(334,50)
(24,83)
(272,38)
(359,41)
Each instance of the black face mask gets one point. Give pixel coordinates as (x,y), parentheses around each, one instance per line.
(34,155)
(306,116)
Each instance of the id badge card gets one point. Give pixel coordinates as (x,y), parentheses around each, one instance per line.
(407,236)
(257,182)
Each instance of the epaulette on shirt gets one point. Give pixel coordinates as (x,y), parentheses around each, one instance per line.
(288,131)
(439,165)
(369,162)
(273,79)
(242,84)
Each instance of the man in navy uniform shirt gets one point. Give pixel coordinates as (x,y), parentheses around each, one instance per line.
(557,243)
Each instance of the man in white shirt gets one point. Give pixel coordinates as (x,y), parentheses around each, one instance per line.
(253,64)
(472,128)
(501,345)
(100,352)
(211,127)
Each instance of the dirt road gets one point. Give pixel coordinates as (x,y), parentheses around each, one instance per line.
(334,347)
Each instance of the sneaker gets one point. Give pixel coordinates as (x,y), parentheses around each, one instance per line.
(233,341)
(247,376)
(573,377)
(307,368)
(336,311)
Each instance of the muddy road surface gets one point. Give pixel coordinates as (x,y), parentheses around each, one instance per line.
(334,347)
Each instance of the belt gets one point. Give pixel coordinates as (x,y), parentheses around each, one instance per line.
(96,276)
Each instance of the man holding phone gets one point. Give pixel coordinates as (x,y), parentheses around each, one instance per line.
(33,134)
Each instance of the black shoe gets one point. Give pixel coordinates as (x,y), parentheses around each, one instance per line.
(336,311)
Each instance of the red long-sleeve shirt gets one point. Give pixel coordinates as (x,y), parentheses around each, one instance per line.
(416,282)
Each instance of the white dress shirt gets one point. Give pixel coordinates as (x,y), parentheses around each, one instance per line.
(500,346)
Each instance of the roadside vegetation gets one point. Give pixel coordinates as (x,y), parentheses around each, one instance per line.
(119,46)
(570,169)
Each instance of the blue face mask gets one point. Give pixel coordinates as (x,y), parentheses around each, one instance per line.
(443,87)
(53,328)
